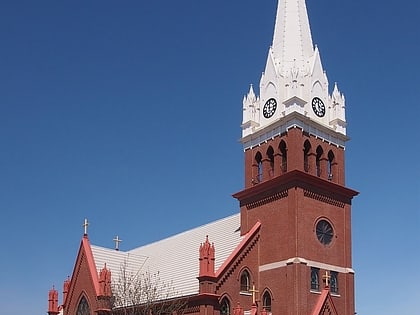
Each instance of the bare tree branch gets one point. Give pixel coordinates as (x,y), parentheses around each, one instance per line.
(144,294)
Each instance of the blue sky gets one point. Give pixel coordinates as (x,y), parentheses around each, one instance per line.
(128,113)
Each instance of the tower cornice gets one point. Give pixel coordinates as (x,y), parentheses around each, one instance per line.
(293,120)
(295,178)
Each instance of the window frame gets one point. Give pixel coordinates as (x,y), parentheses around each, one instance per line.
(314,280)
(334,282)
(245,287)
(225,302)
(83,307)
(264,301)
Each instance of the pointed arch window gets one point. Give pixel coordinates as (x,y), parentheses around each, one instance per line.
(267,301)
(83,307)
(270,156)
(225,306)
(319,153)
(330,165)
(258,161)
(314,279)
(334,282)
(283,151)
(306,151)
(245,281)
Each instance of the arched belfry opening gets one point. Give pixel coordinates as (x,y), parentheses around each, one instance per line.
(306,152)
(319,155)
(270,157)
(283,153)
(258,168)
(331,165)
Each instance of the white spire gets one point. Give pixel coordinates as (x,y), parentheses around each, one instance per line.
(293,89)
(292,39)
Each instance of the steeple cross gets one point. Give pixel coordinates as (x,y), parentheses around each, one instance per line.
(253,291)
(117,242)
(85,226)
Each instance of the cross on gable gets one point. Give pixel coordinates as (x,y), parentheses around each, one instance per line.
(85,226)
(117,242)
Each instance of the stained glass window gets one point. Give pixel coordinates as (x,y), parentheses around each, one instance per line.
(83,308)
(314,279)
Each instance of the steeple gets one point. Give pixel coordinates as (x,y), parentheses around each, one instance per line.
(293,89)
(292,41)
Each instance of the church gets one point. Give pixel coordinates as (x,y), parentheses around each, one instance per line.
(288,250)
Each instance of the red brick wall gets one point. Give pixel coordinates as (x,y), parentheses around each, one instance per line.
(295,139)
(288,228)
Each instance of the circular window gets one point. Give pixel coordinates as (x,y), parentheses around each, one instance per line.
(324,232)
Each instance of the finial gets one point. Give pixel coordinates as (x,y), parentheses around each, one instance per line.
(85,226)
(117,242)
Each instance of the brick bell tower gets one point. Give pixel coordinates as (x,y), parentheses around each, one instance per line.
(294,136)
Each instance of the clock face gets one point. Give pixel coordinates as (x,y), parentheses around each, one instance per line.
(324,232)
(269,108)
(318,107)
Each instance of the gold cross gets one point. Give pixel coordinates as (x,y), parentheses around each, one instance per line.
(327,278)
(117,242)
(253,291)
(85,225)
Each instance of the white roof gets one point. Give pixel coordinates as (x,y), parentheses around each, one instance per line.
(175,258)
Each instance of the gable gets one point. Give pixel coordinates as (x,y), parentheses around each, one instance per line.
(84,280)
(325,304)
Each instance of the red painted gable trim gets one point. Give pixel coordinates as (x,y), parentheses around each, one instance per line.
(84,247)
(91,264)
(238,249)
(323,299)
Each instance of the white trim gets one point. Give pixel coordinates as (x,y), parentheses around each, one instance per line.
(311,263)
(294,120)
(247,293)
(273,266)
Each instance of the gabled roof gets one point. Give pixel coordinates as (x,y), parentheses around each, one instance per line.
(324,304)
(85,250)
(176,257)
